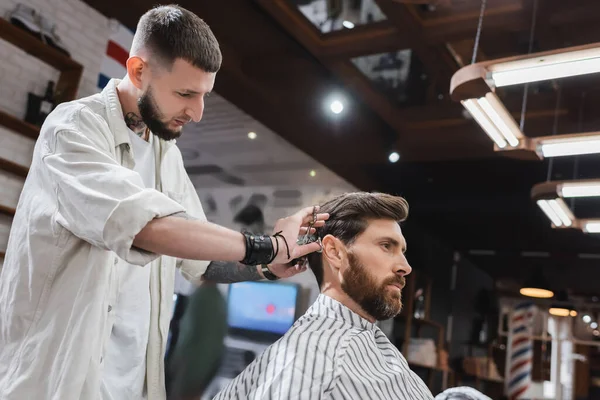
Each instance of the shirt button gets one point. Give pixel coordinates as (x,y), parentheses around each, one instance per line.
(109,308)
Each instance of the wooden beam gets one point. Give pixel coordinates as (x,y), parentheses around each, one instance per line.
(405,19)
(379,37)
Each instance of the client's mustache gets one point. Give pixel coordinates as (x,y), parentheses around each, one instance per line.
(400,280)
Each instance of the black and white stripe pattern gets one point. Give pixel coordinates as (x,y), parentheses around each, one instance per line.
(329,353)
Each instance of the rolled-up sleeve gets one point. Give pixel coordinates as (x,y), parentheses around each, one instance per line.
(99,200)
(193,270)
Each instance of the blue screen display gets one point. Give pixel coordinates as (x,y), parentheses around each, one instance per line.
(266,307)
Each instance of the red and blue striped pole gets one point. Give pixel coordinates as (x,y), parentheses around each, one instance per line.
(521,350)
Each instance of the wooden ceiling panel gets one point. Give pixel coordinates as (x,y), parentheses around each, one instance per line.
(279,68)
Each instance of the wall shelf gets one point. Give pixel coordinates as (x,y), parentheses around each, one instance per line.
(19,126)
(70,70)
(13,168)
(7,211)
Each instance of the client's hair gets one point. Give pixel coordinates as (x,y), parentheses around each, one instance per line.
(349,216)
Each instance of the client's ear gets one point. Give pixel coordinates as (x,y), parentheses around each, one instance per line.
(334,251)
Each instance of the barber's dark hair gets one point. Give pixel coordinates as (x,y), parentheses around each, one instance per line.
(170,32)
(349,216)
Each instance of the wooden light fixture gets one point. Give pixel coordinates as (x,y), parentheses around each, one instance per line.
(549,196)
(474,86)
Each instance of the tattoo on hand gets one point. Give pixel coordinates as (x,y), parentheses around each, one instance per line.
(231,272)
(135,123)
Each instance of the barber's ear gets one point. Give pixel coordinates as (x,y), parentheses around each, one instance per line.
(136,67)
(334,251)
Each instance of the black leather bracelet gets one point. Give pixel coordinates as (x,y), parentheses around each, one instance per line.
(267,273)
(259,250)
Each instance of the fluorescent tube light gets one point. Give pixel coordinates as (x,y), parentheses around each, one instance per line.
(545,206)
(484,121)
(500,116)
(592,226)
(546,67)
(570,146)
(580,189)
(562,211)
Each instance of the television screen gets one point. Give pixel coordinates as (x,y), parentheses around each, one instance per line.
(262,306)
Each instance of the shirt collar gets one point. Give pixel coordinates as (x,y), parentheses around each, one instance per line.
(116,119)
(325,305)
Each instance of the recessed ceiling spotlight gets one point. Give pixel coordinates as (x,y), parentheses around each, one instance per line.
(252,135)
(348,24)
(313,173)
(336,107)
(394,157)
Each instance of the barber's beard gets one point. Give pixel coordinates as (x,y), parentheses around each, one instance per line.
(379,301)
(152,116)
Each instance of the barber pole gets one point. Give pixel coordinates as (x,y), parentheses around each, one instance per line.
(521,350)
(116,54)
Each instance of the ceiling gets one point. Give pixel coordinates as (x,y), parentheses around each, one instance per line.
(281,69)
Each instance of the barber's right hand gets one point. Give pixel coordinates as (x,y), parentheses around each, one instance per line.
(290,228)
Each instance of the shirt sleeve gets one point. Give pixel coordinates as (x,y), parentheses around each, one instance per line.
(99,200)
(192,270)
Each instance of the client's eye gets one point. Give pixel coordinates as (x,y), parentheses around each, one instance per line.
(183,94)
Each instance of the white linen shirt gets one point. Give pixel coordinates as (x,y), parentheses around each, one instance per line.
(80,209)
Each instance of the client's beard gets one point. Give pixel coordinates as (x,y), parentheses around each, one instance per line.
(374,299)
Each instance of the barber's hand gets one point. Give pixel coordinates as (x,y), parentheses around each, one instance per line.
(290,228)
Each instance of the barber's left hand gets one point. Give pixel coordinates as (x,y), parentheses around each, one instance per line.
(287,270)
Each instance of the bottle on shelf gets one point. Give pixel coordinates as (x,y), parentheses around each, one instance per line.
(47,104)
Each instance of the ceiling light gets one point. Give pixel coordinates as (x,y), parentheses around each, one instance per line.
(570,145)
(484,121)
(559,312)
(252,135)
(536,292)
(336,107)
(594,325)
(557,211)
(313,173)
(587,319)
(573,313)
(591,226)
(596,332)
(580,189)
(563,212)
(500,116)
(537,286)
(562,306)
(348,24)
(558,64)
(394,157)
(474,86)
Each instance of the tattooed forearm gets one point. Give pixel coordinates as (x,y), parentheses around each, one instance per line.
(226,271)
(231,272)
(135,122)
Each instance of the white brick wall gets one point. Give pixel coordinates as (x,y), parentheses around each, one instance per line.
(10,189)
(83,30)
(16,148)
